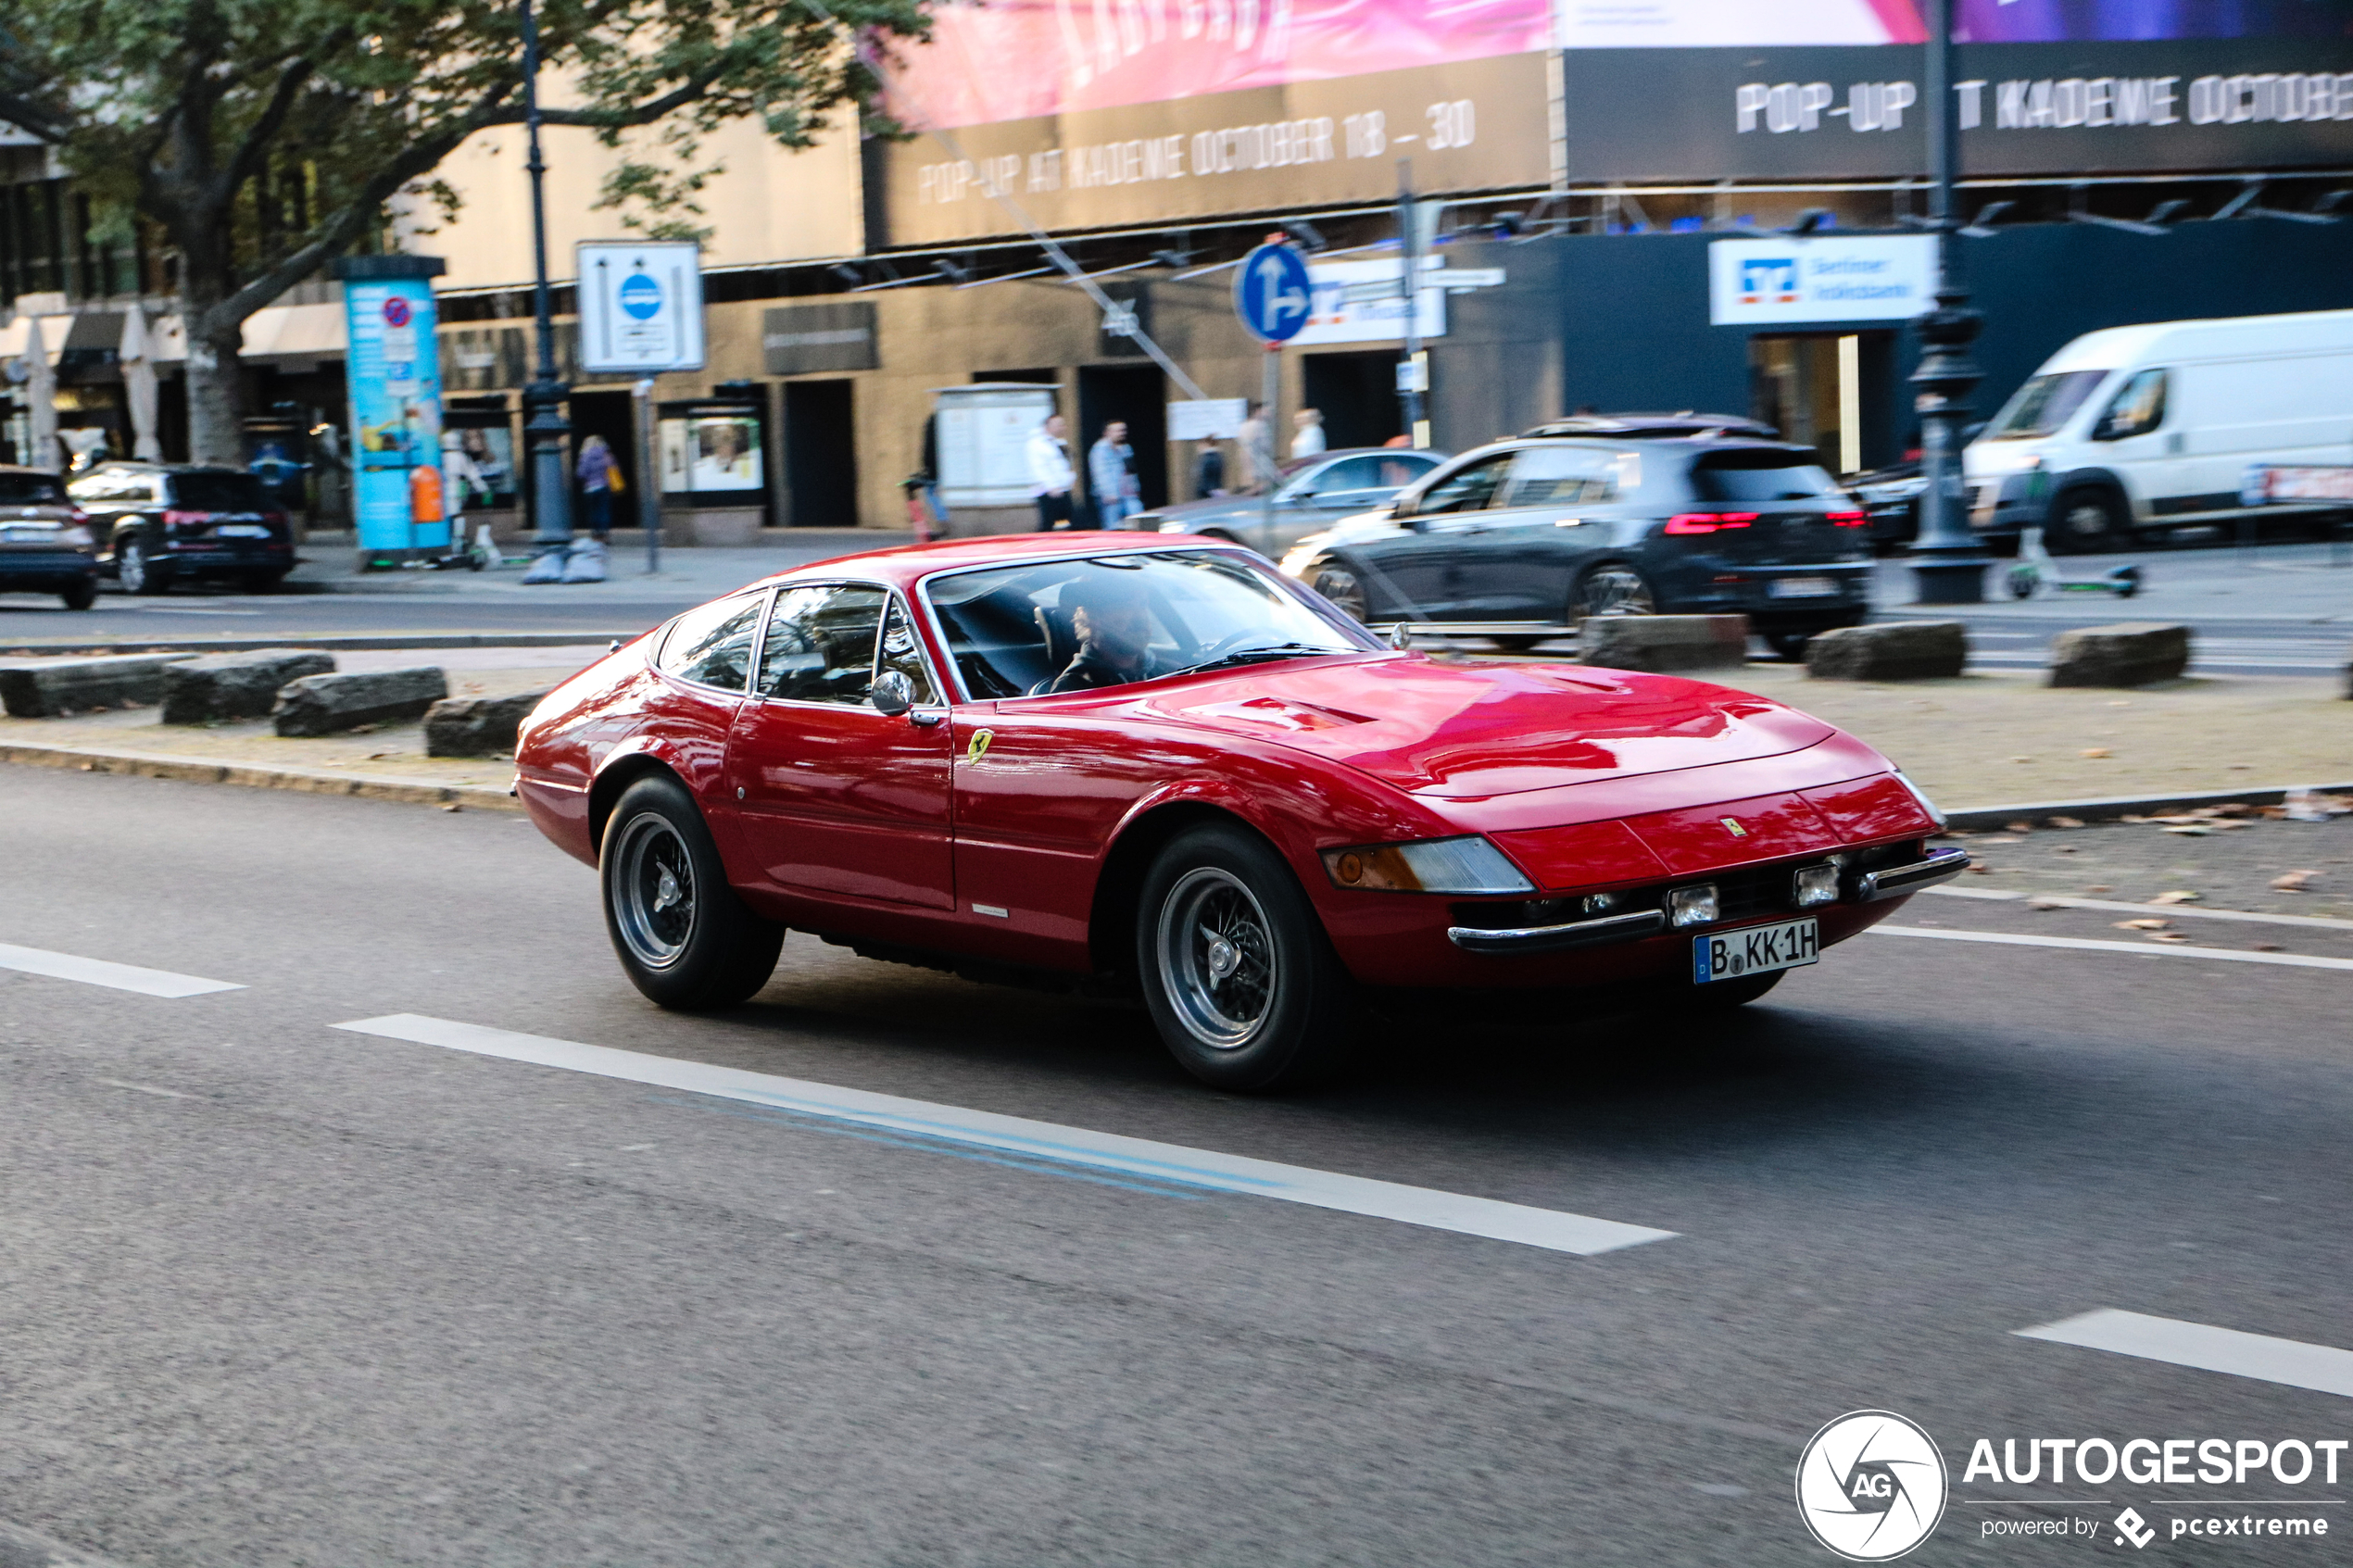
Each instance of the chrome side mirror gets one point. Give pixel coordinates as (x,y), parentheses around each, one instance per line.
(893,694)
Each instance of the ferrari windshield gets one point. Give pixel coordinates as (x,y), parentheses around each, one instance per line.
(1106,620)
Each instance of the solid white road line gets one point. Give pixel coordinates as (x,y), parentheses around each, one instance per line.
(2138,950)
(1038,1140)
(2323,1368)
(2196,912)
(98,971)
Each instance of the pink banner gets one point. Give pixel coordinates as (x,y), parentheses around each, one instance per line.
(1021,59)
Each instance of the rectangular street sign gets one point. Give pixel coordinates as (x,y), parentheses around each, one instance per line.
(1821,278)
(640,305)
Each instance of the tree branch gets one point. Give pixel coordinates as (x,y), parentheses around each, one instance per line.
(646,113)
(255,145)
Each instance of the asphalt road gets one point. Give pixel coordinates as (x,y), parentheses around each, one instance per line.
(278,1293)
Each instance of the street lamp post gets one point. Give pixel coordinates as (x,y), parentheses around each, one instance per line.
(1947,565)
(543,401)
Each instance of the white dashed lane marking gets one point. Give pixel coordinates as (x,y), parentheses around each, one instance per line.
(1074,1147)
(2133,949)
(119,976)
(2322,1368)
(2194,911)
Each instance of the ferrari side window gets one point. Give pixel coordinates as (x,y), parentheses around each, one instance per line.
(900,654)
(712,645)
(821,644)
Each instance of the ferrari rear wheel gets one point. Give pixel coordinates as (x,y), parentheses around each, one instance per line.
(1237,971)
(683,936)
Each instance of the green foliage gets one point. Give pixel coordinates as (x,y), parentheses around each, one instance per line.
(263,137)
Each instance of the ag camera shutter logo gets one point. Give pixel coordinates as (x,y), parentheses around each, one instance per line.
(1871,1485)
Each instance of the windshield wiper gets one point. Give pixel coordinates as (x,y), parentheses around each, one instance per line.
(1249,656)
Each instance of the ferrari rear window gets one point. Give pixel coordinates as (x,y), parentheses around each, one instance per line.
(712,645)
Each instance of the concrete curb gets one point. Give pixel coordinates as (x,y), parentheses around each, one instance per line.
(21,1547)
(303,780)
(356,641)
(1974,818)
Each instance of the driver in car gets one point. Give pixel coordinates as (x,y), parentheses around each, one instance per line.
(1113,627)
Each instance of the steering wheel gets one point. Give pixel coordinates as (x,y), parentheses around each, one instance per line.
(1226,643)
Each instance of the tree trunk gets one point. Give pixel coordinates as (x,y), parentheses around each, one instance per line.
(216,395)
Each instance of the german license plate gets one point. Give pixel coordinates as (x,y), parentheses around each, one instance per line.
(1754,950)
(1801,587)
(242,531)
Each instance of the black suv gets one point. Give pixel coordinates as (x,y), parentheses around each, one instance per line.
(161,523)
(1549,530)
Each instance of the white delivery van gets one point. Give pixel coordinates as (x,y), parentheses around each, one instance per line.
(2147,427)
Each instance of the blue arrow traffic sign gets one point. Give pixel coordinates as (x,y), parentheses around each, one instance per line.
(1272,292)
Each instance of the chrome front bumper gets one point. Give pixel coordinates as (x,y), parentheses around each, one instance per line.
(1894,882)
(1554,938)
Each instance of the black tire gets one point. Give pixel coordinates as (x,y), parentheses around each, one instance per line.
(1789,647)
(1240,979)
(83,595)
(260,582)
(2085,521)
(1340,582)
(1515,644)
(135,566)
(1613,588)
(657,859)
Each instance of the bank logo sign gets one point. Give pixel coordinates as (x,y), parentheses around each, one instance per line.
(1871,1485)
(1815,279)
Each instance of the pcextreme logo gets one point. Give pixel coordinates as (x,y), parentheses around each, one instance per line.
(1871,1485)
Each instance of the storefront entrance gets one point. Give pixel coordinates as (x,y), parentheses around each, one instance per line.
(1357,395)
(1831,391)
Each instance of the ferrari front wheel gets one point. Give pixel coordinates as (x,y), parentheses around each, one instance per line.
(683,936)
(1240,979)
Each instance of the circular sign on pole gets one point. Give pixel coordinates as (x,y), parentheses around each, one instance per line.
(1273,293)
(640,296)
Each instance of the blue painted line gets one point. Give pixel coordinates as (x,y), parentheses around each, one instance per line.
(1191,1193)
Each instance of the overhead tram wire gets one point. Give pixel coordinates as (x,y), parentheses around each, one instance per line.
(1045,242)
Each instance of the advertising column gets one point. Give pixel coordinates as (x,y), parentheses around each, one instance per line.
(394,368)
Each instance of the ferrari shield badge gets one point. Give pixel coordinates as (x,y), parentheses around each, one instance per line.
(1731,825)
(978,746)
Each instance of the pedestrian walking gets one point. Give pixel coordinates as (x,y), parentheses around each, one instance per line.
(1208,470)
(459,481)
(1051,476)
(1111,473)
(1257,450)
(928,489)
(1307,439)
(599,470)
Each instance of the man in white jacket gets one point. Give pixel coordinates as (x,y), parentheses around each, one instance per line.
(1049,474)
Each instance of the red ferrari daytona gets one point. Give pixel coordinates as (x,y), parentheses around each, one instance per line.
(1154,760)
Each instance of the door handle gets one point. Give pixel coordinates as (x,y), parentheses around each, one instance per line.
(926,719)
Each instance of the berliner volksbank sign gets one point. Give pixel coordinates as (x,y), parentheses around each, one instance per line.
(1821,278)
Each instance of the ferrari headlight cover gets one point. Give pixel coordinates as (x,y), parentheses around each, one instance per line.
(1919,795)
(1470,864)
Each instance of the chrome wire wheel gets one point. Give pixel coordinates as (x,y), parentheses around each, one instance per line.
(1615,590)
(1344,588)
(1217,957)
(654,901)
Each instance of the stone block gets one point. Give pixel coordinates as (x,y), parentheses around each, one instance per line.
(322,705)
(2132,653)
(1894,650)
(1663,643)
(49,687)
(478,726)
(235,685)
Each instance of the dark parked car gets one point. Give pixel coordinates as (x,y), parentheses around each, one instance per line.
(1315,492)
(46,543)
(160,523)
(1546,532)
(1891,499)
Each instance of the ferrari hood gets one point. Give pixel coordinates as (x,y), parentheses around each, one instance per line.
(1469,730)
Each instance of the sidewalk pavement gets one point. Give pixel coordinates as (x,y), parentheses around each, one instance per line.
(1987,740)
(2287,583)
(692,571)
